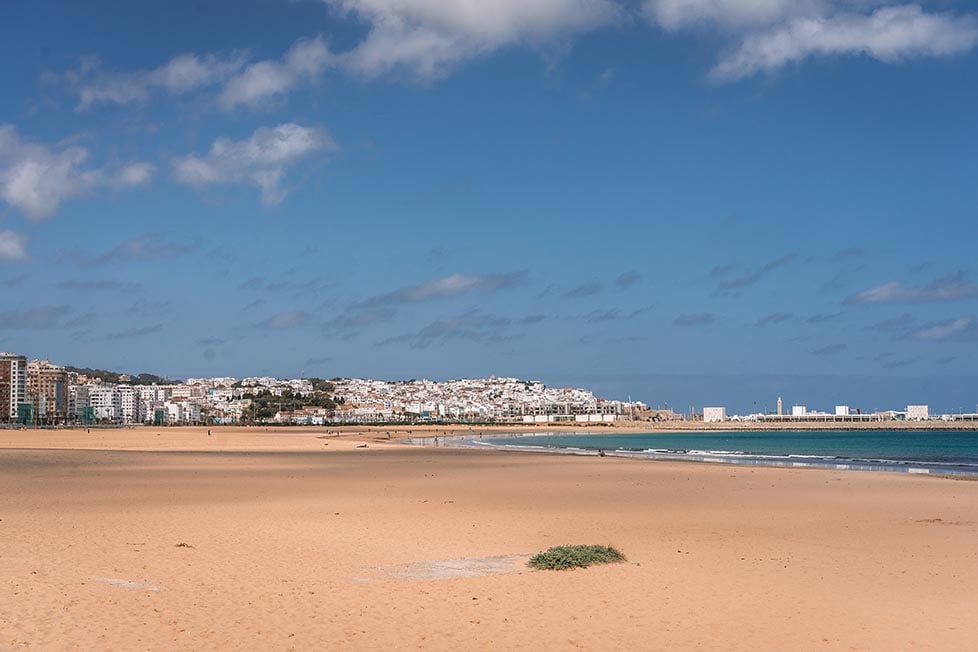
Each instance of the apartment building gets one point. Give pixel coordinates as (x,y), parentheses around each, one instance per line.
(47,387)
(79,404)
(13,385)
(106,404)
(129,405)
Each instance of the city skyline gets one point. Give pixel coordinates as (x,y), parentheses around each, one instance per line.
(40,392)
(642,198)
(844,392)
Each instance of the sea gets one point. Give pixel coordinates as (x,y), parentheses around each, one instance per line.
(913,451)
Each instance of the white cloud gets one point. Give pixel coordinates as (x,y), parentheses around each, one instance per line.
(242,85)
(948,288)
(260,159)
(112,89)
(428,37)
(36,178)
(889,34)
(677,14)
(305,61)
(13,246)
(135,174)
(947,330)
(767,35)
(188,72)
(449,287)
(181,74)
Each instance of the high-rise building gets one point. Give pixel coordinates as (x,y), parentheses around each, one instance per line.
(13,385)
(129,404)
(106,403)
(80,404)
(47,385)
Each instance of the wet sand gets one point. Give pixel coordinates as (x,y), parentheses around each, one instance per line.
(302,540)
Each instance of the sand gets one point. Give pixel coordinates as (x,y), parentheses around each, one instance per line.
(250,540)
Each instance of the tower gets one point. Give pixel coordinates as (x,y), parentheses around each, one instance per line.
(780,407)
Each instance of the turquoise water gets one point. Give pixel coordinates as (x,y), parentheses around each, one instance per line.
(937,450)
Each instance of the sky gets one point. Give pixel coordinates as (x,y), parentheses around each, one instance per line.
(685,202)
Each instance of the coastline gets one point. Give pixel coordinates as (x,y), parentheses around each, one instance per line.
(310,438)
(511,442)
(154,546)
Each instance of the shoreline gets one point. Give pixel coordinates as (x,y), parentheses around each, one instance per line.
(788,460)
(312,438)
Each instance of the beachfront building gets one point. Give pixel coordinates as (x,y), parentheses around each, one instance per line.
(569,418)
(129,405)
(79,404)
(228,412)
(181,412)
(106,404)
(13,385)
(714,414)
(842,414)
(47,386)
(918,413)
(125,404)
(304,417)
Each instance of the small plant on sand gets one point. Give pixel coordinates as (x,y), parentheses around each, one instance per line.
(564,557)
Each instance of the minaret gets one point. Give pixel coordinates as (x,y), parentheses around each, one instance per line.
(780,407)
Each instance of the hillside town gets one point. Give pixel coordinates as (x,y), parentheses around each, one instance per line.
(41,393)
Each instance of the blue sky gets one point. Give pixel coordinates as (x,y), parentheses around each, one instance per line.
(684,201)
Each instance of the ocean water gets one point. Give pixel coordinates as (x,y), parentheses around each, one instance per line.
(933,451)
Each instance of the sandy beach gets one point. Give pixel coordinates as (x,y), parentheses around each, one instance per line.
(301,539)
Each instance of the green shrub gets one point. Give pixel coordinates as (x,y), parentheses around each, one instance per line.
(564,557)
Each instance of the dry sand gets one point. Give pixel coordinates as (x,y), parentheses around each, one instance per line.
(250,540)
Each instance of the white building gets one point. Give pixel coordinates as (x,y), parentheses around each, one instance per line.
(154,392)
(714,414)
(841,410)
(177,412)
(223,394)
(128,404)
(231,411)
(798,410)
(918,412)
(106,403)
